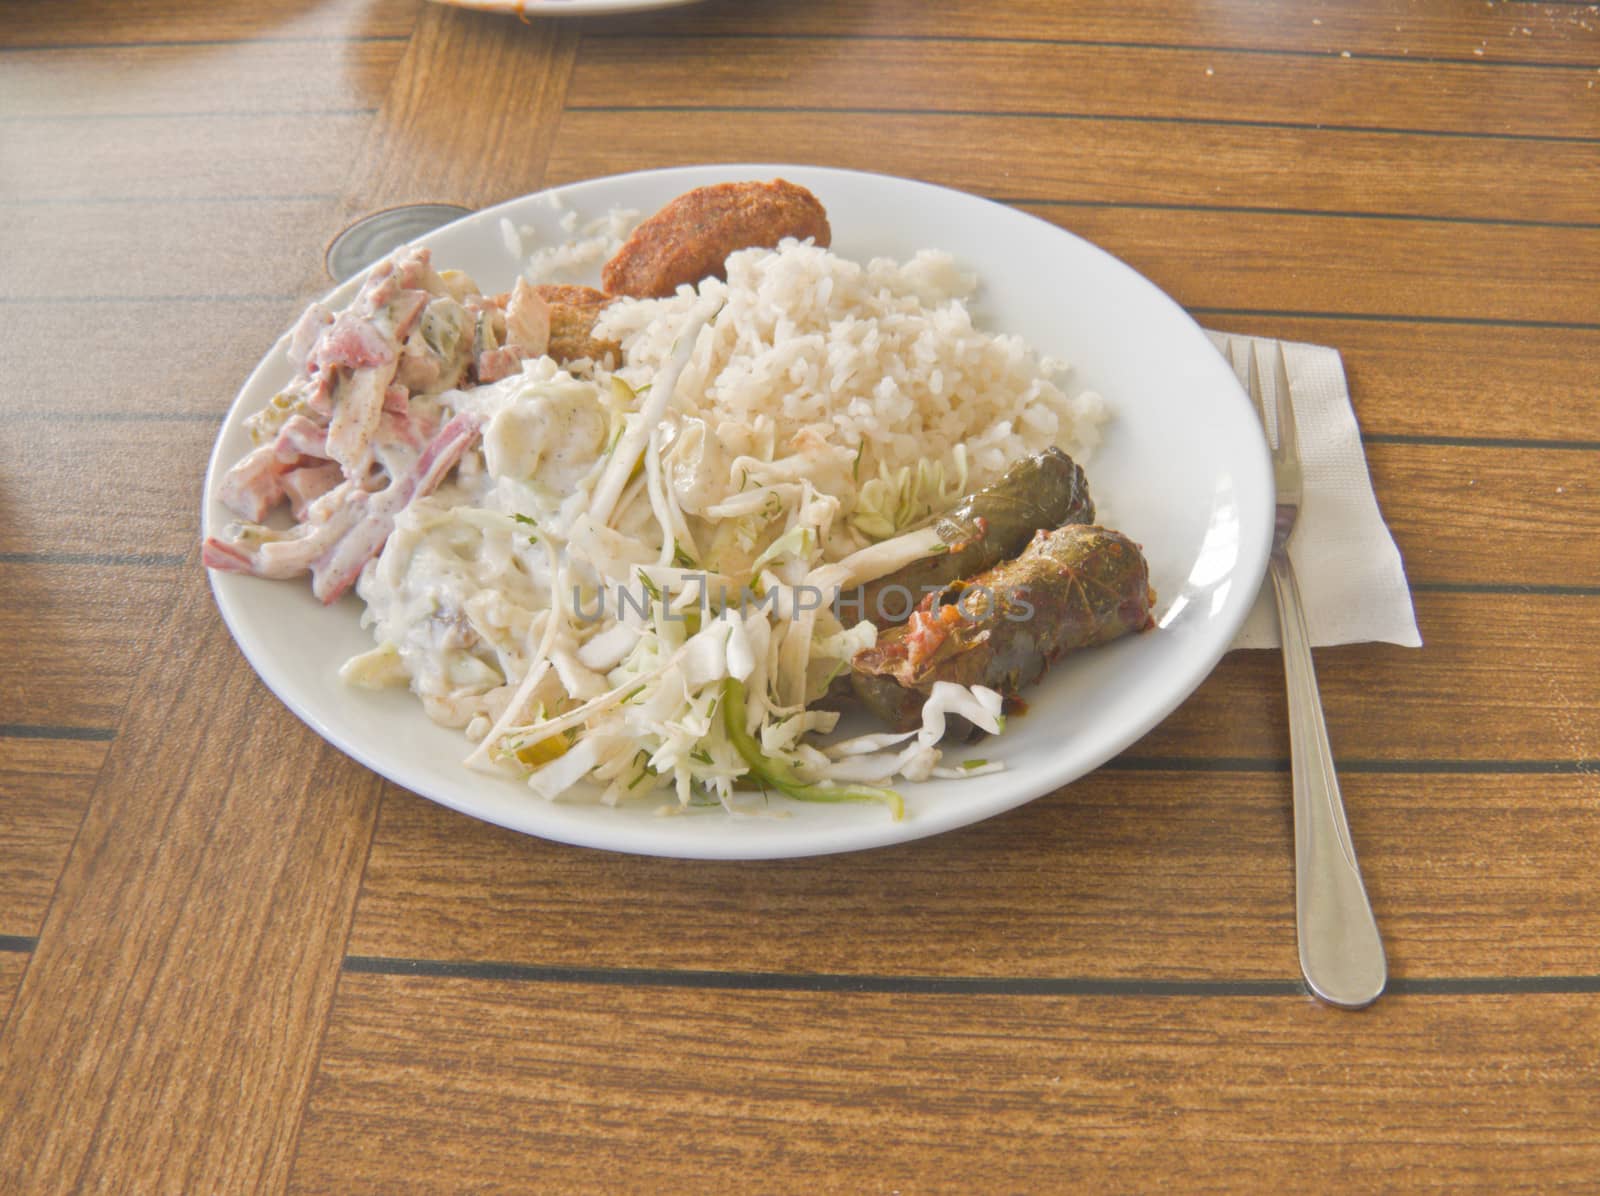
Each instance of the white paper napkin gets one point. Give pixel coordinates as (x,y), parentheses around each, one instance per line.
(1351,577)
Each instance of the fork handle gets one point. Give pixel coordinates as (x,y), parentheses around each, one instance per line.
(1341,953)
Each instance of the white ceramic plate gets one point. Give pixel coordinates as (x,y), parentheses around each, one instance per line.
(1184,470)
(565,8)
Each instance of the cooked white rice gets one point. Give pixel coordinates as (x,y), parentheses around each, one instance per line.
(881,358)
(580,252)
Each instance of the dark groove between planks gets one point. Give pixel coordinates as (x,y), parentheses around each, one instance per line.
(1394,318)
(1124,763)
(194,114)
(987,114)
(611,34)
(66,300)
(1531,11)
(1495,442)
(117,417)
(47,731)
(118,200)
(934,985)
(1345,764)
(106,559)
(1498,985)
(1509,587)
(19,944)
(263,39)
(813,982)
(1317,213)
(1008,201)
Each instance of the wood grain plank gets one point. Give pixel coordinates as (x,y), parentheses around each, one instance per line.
(1119,875)
(73,635)
(1499,678)
(124,371)
(124,22)
(1099,160)
(171,79)
(1291,262)
(1490,516)
(1069,886)
(1503,32)
(93,487)
(202,913)
(170,1024)
(565,1088)
(488,143)
(1411,379)
(176,160)
(200,917)
(80,250)
(12,965)
(1207,260)
(44,789)
(1142,82)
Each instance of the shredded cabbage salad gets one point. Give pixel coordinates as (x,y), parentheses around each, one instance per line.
(617,590)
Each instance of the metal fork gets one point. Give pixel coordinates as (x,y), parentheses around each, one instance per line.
(1341,953)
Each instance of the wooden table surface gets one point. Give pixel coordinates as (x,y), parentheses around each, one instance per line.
(232,959)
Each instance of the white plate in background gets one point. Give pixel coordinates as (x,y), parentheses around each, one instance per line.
(565,8)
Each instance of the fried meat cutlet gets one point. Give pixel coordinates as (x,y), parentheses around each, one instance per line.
(692,236)
(573,312)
